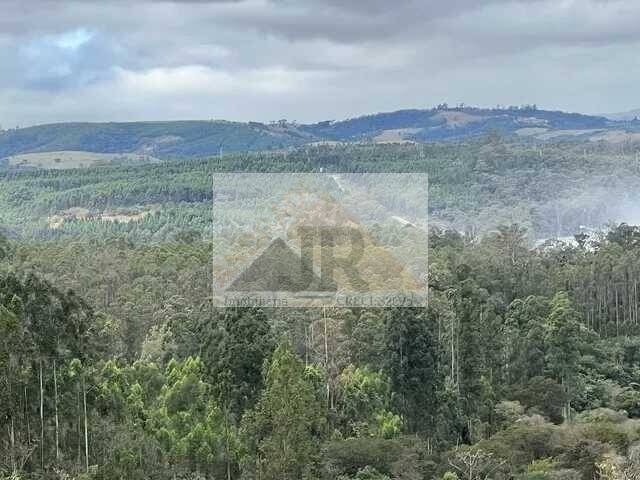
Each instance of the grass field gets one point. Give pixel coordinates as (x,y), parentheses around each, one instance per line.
(75,159)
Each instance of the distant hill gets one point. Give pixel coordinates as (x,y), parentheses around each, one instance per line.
(183,139)
(446,124)
(193,139)
(624,116)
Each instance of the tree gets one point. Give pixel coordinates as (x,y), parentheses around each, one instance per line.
(234,350)
(474,463)
(4,247)
(366,473)
(287,424)
(188,424)
(364,400)
(543,395)
(411,363)
(367,339)
(563,338)
(525,339)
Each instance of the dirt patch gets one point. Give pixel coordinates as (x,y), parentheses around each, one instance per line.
(83,215)
(530,131)
(123,218)
(458,119)
(397,135)
(533,121)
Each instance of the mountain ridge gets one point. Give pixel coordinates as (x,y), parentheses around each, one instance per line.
(202,138)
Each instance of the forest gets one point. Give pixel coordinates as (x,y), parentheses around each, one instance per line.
(114,363)
(552,189)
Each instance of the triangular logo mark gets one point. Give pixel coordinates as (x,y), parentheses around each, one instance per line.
(280,269)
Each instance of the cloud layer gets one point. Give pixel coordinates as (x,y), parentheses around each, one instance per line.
(310,60)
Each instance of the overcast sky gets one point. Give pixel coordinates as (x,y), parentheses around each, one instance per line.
(310,60)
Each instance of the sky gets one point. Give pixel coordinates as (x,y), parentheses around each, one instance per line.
(310,60)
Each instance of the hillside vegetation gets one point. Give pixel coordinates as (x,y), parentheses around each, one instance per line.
(524,366)
(162,139)
(552,189)
(73,159)
(192,139)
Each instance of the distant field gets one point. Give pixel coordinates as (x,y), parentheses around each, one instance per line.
(397,135)
(73,159)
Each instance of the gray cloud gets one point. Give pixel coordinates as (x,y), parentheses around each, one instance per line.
(310,60)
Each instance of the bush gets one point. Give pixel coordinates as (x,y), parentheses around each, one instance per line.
(583,456)
(607,433)
(508,413)
(348,457)
(450,476)
(540,469)
(366,473)
(522,444)
(601,415)
(629,400)
(545,396)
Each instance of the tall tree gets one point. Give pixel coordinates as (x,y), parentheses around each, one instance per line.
(287,424)
(563,338)
(411,361)
(234,349)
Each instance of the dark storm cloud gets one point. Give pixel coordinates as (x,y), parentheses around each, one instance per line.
(313,59)
(354,21)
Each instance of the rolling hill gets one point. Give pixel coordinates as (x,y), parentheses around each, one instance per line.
(624,116)
(194,139)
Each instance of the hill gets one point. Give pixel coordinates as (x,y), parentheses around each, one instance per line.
(553,189)
(624,116)
(197,139)
(444,123)
(184,139)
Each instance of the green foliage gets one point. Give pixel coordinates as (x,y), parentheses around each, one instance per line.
(474,187)
(540,469)
(186,139)
(188,424)
(563,332)
(401,457)
(544,396)
(4,248)
(527,359)
(365,398)
(629,400)
(202,138)
(235,346)
(366,473)
(287,425)
(410,361)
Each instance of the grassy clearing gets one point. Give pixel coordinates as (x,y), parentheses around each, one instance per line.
(75,159)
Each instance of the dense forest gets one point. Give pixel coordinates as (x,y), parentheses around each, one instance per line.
(526,365)
(551,189)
